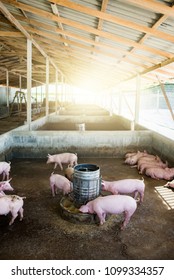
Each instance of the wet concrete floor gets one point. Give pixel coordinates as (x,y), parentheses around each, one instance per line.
(44,234)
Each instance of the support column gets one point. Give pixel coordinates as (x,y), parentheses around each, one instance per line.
(47,86)
(62,89)
(137,100)
(20,83)
(7,89)
(56,90)
(120,103)
(29,75)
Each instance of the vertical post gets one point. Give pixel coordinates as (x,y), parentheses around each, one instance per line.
(47,85)
(41,97)
(137,100)
(7,89)
(20,83)
(29,74)
(56,89)
(120,103)
(20,94)
(36,98)
(111,104)
(62,90)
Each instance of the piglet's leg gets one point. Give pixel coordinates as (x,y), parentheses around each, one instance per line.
(126,220)
(21,211)
(101,217)
(3,174)
(14,215)
(135,195)
(141,197)
(60,165)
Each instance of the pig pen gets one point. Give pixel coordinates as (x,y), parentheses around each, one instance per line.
(44,234)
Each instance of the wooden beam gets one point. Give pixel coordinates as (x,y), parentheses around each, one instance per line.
(90,29)
(14,34)
(80,38)
(108,17)
(12,19)
(154,6)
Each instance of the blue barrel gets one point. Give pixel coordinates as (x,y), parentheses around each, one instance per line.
(86,183)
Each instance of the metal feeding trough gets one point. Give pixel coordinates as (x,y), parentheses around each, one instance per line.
(86,187)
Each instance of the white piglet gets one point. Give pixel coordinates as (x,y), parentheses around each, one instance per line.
(59,182)
(125,186)
(64,158)
(12,204)
(111,204)
(5,186)
(5,169)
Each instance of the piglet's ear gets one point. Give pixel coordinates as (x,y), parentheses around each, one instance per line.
(9,179)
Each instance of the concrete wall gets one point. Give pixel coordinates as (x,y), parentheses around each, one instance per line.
(22,143)
(6,144)
(84,143)
(163,146)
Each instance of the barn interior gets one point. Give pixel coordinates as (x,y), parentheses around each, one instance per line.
(95,78)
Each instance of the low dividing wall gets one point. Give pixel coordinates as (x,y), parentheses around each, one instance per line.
(87,143)
(22,143)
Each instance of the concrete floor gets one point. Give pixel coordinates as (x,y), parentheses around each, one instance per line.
(10,123)
(43,234)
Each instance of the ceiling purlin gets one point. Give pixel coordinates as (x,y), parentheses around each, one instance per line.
(100,21)
(154,27)
(73,49)
(92,30)
(152,5)
(155,6)
(35,24)
(114,19)
(15,22)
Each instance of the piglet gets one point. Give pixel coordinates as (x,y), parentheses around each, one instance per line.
(5,186)
(133,159)
(69,172)
(59,159)
(160,173)
(152,163)
(170,184)
(111,204)
(59,182)
(5,169)
(12,204)
(125,186)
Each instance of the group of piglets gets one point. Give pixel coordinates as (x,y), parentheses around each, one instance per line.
(150,165)
(60,182)
(9,203)
(116,203)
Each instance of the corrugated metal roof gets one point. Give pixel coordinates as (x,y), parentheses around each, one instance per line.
(105,42)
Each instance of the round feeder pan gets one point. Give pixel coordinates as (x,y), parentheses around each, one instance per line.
(72,214)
